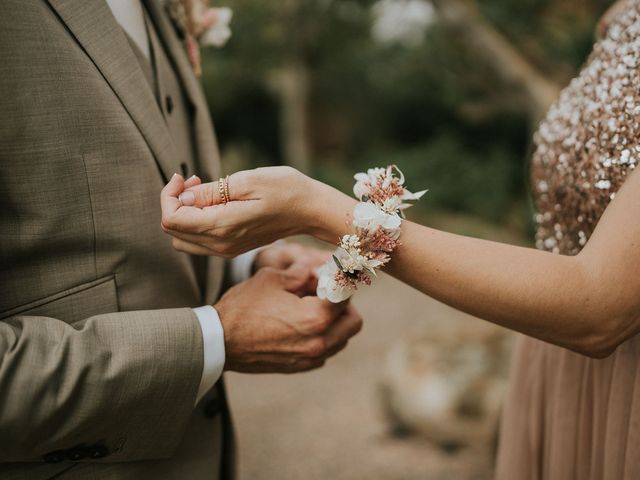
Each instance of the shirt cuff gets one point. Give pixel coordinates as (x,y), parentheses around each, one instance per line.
(213,343)
(242,266)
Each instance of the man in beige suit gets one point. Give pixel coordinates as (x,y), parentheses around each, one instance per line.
(112,343)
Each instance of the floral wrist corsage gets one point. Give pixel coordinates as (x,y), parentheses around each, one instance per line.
(200,24)
(376,219)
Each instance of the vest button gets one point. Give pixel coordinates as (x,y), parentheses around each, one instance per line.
(168,102)
(55,457)
(97,451)
(76,454)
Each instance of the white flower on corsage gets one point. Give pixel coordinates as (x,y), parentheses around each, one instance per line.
(382,187)
(376,220)
(352,259)
(200,24)
(370,217)
(328,286)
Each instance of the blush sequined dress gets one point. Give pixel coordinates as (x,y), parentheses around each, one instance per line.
(570,417)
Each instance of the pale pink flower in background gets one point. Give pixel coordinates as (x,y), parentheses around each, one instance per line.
(200,24)
(215,24)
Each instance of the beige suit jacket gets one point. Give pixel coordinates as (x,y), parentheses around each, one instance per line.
(100,354)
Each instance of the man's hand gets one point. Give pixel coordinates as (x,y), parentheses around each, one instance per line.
(269,329)
(282,255)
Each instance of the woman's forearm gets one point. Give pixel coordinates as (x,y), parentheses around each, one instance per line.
(550,297)
(558,299)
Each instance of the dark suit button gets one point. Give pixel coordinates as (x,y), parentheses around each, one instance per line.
(97,451)
(213,408)
(55,457)
(168,102)
(76,454)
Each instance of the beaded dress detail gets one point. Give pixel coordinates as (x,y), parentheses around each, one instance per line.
(590,140)
(568,416)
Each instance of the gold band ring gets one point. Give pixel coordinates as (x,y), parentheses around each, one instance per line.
(226,188)
(223,189)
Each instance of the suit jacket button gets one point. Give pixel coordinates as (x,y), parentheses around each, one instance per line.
(212,408)
(55,457)
(97,451)
(76,454)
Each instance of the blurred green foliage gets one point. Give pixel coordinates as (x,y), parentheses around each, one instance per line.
(433,107)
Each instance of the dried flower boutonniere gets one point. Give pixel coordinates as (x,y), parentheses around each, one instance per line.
(200,24)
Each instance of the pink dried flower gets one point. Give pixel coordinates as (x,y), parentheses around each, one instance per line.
(380,241)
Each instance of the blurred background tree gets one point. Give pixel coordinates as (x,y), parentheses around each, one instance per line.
(449,90)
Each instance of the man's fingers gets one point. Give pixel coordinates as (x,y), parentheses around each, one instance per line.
(343,329)
(318,315)
(295,277)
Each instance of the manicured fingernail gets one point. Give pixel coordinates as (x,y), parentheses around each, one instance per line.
(187,198)
(192,176)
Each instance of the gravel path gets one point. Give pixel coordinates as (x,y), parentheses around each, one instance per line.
(329,424)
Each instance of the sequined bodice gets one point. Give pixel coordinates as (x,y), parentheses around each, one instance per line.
(590,140)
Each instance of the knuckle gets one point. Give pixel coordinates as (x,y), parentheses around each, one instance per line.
(307,365)
(267,273)
(223,232)
(243,182)
(311,365)
(357,324)
(227,250)
(316,348)
(317,324)
(323,319)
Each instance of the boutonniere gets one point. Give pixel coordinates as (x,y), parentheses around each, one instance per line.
(200,24)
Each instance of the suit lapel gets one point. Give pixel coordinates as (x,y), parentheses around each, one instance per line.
(96,30)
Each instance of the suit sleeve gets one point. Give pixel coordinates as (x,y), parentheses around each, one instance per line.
(126,382)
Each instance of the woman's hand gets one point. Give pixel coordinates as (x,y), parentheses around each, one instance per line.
(266,204)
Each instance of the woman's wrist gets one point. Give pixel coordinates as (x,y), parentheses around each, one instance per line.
(329,212)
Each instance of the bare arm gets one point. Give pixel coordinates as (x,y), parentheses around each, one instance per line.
(589,303)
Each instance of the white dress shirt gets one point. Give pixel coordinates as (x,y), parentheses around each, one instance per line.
(129,14)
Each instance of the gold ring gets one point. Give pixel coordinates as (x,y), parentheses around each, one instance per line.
(226,188)
(222,189)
